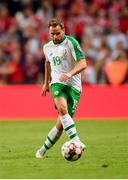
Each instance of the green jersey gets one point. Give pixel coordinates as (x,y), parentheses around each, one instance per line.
(63,57)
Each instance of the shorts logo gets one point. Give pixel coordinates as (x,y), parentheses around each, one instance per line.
(56,93)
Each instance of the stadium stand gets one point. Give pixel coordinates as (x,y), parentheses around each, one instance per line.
(101,27)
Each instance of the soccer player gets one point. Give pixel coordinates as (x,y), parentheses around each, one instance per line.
(63,66)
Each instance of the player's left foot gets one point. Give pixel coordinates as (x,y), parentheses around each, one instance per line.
(39,154)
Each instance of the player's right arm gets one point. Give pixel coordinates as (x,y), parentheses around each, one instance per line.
(47,78)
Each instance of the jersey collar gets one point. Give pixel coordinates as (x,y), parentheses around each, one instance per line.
(64,38)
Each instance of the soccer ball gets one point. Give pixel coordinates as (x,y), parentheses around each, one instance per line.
(71,150)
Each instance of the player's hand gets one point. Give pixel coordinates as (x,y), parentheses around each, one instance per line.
(45,89)
(65,77)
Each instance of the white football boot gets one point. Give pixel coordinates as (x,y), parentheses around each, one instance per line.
(83,146)
(40,154)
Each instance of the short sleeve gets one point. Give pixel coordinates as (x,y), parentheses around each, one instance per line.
(76,49)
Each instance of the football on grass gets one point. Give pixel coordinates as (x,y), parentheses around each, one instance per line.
(71,150)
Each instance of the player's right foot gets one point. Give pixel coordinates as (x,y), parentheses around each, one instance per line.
(83,146)
(39,154)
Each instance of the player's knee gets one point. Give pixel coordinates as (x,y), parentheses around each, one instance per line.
(62,109)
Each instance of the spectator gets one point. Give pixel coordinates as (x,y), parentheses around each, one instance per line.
(31,69)
(117,70)
(32,40)
(3,59)
(11,70)
(5,20)
(14,68)
(116,36)
(123,20)
(89,75)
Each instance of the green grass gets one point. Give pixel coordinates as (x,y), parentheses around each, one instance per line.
(106,155)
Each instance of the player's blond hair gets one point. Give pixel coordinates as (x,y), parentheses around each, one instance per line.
(56,22)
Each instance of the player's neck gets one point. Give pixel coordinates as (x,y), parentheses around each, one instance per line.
(64,37)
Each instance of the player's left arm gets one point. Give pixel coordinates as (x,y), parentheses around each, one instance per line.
(80,66)
(80,59)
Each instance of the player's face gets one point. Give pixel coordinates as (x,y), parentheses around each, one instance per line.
(56,34)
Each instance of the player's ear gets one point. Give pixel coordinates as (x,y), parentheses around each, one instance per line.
(63,30)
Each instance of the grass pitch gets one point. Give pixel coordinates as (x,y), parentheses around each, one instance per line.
(106,155)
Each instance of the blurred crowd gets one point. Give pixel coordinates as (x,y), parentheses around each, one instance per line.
(100,26)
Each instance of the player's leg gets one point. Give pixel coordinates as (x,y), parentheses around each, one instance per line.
(66,120)
(60,98)
(73,99)
(66,102)
(51,139)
